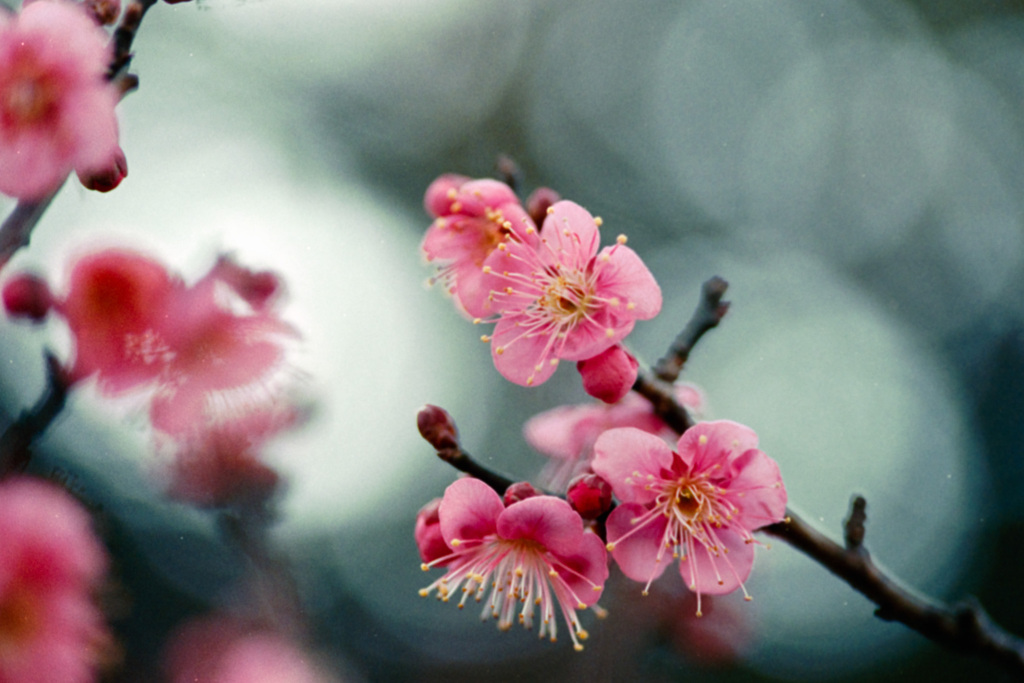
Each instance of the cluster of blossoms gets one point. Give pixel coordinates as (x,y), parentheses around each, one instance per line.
(553,294)
(51,566)
(206,354)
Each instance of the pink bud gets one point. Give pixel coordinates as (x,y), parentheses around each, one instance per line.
(27,296)
(609,375)
(521,490)
(107,178)
(538,202)
(590,495)
(437,427)
(428,532)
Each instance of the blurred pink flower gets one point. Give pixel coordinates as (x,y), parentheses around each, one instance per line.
(700,502)
(472,218)
(533,553)
(50,567)
(567,434)
(558,298)
(225,650)
(56,106)
(134,323)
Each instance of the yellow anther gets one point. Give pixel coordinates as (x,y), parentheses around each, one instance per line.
(550,210)
(609,333)
(456,543)
(598,221)
(424,592)
(485,338)
(456,207)
(610,547)
(487,269)
(424,567)
(500,350)
(621,239)
(703,440)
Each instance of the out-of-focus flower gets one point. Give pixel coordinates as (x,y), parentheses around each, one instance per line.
(533,557)
(226,650)
(609,375)
(560,298)
(472,218)
(700,503)
(567,434)
(50,568)
(56,107)
(134,323)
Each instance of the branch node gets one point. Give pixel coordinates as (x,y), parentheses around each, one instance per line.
(853,527)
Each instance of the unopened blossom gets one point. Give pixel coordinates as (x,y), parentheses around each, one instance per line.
(56,106)
(609,375)
(699,503)
(27,296)
(50,567)
(221,649)
(526,562)
(560,298)
(567,434)
(472,217)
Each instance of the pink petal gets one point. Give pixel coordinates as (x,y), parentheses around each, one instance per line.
(725,440)
(763,498)
(437,201)
(637,554)
(469,510)
(586,570)
(722,573)
(563,432)
(625,276)
(624,457)
(547,520)
(572,233)
(589,339)
(610,375)
(524,358)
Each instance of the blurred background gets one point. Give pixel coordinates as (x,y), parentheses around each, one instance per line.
(854,169)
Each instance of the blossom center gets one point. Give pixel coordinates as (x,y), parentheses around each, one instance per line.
(19,618)
(28,97)
(568,299)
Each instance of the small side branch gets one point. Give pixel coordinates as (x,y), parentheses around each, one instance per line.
(709,312)
(659,393)
(964,627)
(16,231)
(16,440)
(438,428)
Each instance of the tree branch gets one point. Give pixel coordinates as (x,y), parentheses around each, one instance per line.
(16,440)
(964,626)
(709,312)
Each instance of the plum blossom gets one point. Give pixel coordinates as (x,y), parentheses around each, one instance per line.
(50,566)
(532,556)
(567,434)
(698,503)
(136,324)
(56,106)
(556,297)
(472,217)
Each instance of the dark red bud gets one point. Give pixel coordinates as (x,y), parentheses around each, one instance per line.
(521,490)
(539,201)
(437,427)
(27,296)
(107,178)
(589,495)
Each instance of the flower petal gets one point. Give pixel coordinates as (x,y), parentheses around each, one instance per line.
(723,442)
(625,276)
(469,510)
(757,490)
(637,553)
(722,572)
(546,520)
(625,457)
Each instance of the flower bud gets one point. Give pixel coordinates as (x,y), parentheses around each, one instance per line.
(610,375)
(27,296)
(437,427)
(105,12)
(521,490)
(107,178)
(589,495)
(539,201)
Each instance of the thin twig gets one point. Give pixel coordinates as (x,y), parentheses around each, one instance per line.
(662,398)
(16,440)
(16,231)
(964,627)
(709,312)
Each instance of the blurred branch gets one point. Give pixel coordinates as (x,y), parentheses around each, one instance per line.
(16,440)
(16,231)
(964,626)
(125,34)
(709,312)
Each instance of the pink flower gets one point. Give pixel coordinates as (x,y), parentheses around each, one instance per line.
(700,503)
(50,566)
(472,218)
(134,323)
(567,434)
(533,553)
(56,107)
(558,298)
(225,650)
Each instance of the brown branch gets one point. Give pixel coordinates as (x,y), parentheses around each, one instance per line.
(663,400)
(16,440)
(438,428)
(964,626)
(16,231)
(709,312)
(125,34)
